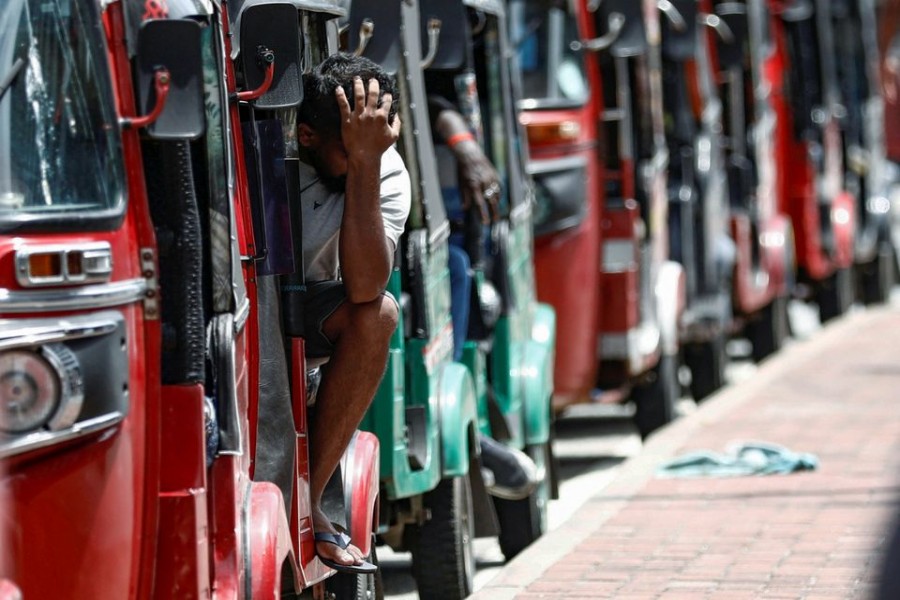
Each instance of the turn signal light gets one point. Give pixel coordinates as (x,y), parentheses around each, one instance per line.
(550,133)
(46,266)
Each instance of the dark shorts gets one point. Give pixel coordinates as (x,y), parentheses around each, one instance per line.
(320,299)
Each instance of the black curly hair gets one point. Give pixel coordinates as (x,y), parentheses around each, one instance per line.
(320,109)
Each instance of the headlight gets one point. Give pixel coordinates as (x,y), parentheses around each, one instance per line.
(39,389)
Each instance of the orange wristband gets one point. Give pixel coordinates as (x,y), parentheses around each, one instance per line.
(463,136)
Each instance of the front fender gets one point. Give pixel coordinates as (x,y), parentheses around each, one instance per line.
(537,375)
(269,537)
(360,469)
(670,302)
(458,412)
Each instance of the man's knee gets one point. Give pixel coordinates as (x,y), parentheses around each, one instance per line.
(375,321)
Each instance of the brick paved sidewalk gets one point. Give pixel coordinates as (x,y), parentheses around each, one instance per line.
(805,535)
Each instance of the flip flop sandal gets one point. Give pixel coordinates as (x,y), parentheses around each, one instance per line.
(342,540)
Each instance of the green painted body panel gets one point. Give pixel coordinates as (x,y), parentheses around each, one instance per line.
(420,372)
(523,347)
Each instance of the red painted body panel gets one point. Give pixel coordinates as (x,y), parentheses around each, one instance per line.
(620,290)
(183,554)
(888,29)
(567,263)
(363,477)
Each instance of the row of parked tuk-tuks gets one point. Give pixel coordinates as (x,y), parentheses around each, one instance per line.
(673,173)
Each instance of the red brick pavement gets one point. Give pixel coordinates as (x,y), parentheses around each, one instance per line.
(806,535)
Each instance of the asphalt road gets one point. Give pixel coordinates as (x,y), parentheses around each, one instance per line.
(592,442)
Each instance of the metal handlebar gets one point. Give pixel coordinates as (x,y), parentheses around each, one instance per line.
(434,35)
(616,24)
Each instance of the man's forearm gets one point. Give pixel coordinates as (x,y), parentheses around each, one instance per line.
(364,250)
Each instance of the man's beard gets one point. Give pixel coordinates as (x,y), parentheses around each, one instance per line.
(335,185)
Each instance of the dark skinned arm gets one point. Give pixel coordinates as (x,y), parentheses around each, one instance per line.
(476,173)
(366,254)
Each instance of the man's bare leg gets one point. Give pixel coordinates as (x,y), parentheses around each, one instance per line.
(361,336)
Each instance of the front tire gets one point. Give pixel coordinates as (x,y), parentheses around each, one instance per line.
(443,554)
(877,276)
(655,399)
(770,330)
(835,295)
(707,361)
(522,522)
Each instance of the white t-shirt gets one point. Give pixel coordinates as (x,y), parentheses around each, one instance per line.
(323,209)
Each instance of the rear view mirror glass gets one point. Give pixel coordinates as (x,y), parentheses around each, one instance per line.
(173,45)
(274,28)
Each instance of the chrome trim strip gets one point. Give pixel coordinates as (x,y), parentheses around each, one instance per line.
(44,439)
(32,332)
(240,318)
(83,298)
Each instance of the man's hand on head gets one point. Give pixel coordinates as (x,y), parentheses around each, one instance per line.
(366,129)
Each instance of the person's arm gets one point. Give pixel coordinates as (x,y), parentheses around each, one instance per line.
(366,254)
(479,181)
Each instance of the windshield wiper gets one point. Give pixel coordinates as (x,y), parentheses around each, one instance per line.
(8,79)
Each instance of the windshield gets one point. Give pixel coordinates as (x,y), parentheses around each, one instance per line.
(551,70)
(60,153)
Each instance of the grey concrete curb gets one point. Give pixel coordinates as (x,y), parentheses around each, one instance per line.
(531,564)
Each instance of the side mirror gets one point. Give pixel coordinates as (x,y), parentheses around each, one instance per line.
(170,80)
(679,31)
(734,16)
(270,54)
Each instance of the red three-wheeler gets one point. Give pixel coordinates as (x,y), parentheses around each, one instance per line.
(802,77)
(866,171)
(639,295)
(763,237)
(140,313)
(699,237)
(561,91)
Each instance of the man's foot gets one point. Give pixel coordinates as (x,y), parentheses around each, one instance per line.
(515,475)
(333,547)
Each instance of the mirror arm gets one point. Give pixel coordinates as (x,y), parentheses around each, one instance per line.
(266,57)
(673,14)
(719,26)
(366,30)
(616,24)
(434,35)
(161,82)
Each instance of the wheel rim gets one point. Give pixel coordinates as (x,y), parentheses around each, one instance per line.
(539,454)
(467,532)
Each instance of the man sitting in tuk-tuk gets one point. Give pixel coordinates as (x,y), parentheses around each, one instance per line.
(355,197)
